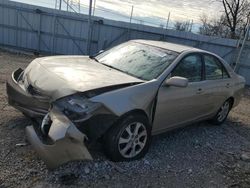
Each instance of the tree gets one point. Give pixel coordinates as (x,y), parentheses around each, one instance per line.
(205,28)
(213,27)
(232,21)
(181,26)
(236,13)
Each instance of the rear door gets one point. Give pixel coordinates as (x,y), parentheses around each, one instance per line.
(218,83)
(177,105)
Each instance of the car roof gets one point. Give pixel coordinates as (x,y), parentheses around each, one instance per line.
(170,46)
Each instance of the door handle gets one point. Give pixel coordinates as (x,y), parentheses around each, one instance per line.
(199,91)
(227,85)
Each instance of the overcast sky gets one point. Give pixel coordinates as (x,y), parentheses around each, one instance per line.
(180,9)
(154,11)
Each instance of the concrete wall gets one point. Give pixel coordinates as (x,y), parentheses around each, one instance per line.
(49,31)
(244,65)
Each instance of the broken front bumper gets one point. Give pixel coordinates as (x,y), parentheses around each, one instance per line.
(66,142)
(21,99)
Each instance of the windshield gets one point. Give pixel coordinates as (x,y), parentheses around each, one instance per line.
(139,60)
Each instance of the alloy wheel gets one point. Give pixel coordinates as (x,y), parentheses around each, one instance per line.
(223,111)
(132,140)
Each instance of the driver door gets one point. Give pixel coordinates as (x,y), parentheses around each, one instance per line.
(180,105)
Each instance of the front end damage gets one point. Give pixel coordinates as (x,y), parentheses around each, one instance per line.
(24,97)
(63,143)
(83,101)
(73,122)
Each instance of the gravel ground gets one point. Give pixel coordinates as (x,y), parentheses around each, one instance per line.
(201,155)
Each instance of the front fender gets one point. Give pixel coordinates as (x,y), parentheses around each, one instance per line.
(139,97)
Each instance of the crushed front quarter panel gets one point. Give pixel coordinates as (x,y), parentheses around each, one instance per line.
(67,142)
(124,100)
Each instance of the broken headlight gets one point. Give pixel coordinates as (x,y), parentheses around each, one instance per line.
(77,108)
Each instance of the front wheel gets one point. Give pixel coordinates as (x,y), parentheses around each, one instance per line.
(223,112)
(129,139)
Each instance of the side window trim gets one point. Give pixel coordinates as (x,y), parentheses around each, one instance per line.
(223,68)
(203,67)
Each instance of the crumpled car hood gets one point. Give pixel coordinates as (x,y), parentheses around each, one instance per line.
(59,76)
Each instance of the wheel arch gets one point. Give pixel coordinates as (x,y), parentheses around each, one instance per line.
(232,100)
(135,111)
(131,112)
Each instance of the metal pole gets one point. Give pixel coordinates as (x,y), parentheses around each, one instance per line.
(16,24)
(131,15)
(60,4)
(67,5)
(187,25)
(168,20)
(79,6)
(89,28)
(54,33)
(241,36)
(130,21)
(243,45)
(94,7)
(164,36)
(55,4)
(191,25)
(39,34)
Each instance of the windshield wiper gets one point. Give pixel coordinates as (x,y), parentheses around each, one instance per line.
(126,72)
(110,66)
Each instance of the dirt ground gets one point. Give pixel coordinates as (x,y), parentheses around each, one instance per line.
(201,155)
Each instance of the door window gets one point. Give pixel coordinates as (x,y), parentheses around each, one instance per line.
(214,69)
(190,67)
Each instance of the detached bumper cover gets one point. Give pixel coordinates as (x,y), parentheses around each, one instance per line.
(67,142)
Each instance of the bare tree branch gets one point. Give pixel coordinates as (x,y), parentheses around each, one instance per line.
(235,12)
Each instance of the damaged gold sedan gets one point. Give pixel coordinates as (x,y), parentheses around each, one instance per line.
(121,96)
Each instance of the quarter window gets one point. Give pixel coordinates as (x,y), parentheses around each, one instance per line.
(214,69)
(190,67)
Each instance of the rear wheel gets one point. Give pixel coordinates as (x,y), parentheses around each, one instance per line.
(223,112)
(129,139)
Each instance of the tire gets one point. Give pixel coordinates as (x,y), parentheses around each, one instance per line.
(120,144)
(222,113)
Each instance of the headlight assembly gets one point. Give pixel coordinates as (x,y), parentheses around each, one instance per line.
(77,108)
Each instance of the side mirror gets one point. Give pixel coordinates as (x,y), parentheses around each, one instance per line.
(177,81)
